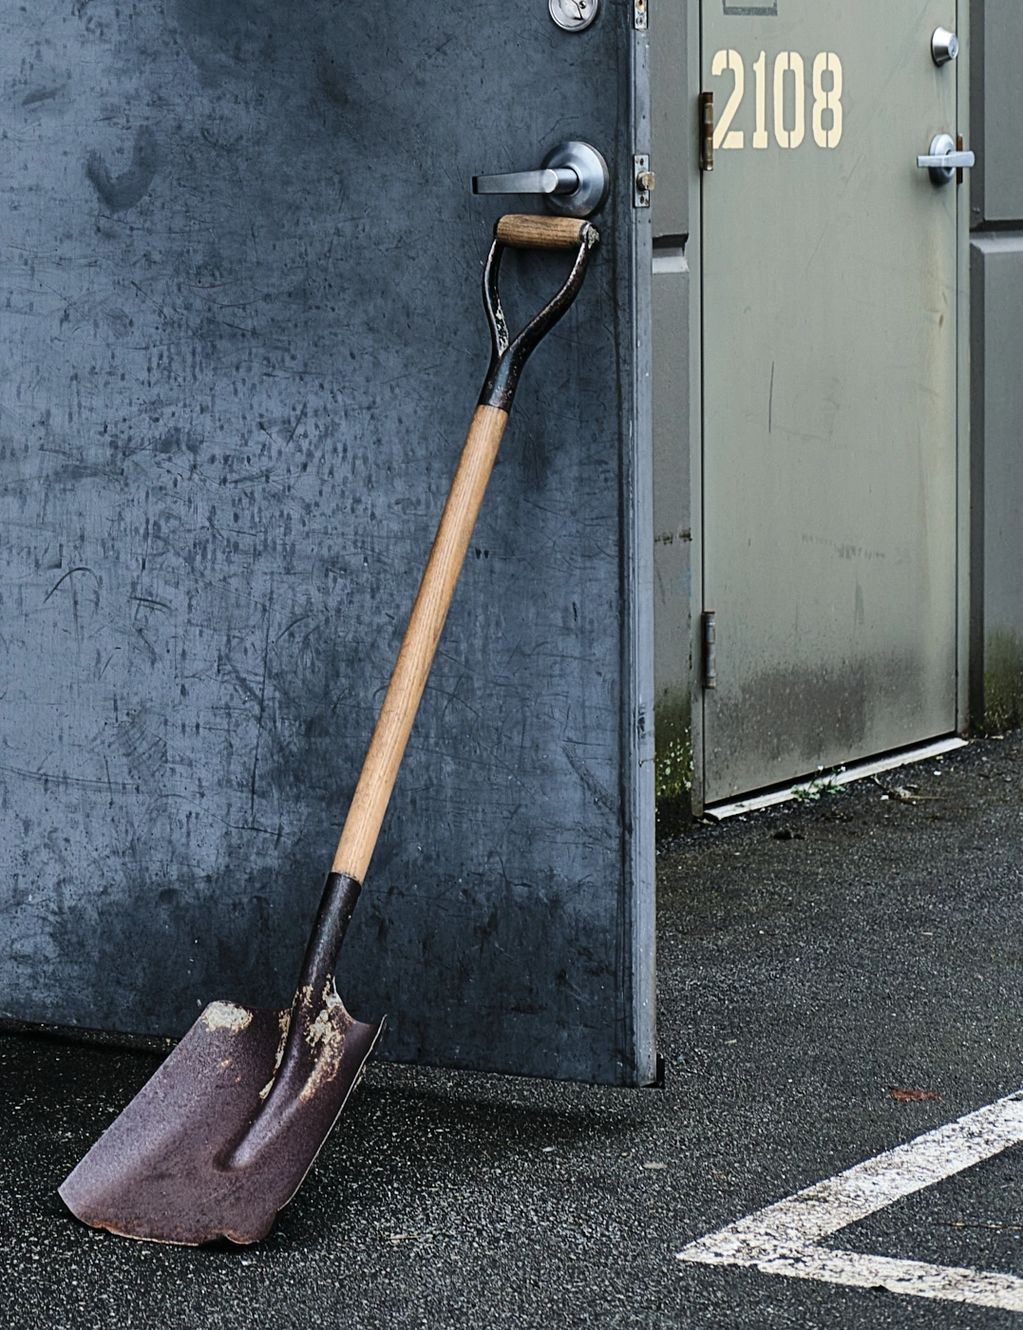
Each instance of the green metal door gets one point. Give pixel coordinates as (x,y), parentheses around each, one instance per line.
(830,386)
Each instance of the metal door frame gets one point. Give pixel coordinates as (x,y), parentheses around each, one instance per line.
(638,925)
(965,658)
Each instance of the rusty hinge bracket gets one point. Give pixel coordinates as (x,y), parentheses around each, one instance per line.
(706,131)
(640,15)
(642,180)
(709,647)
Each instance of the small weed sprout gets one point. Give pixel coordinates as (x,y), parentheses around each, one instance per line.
(817,789)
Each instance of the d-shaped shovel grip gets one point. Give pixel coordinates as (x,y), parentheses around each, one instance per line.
(430,611)
(509,355)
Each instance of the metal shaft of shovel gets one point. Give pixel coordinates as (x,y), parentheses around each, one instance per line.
(220,1138)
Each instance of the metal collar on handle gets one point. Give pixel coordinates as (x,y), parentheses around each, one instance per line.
(509,355)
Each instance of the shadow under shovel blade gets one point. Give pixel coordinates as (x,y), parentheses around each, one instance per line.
(205,1149)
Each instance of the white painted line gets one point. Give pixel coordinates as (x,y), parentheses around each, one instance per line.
(853,1269)
(838,776)
(783,1238)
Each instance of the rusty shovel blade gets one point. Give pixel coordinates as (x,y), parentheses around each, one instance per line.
(221,1137)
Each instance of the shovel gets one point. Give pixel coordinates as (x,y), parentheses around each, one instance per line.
(220,1138)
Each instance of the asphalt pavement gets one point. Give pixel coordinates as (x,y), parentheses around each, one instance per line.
(813,959)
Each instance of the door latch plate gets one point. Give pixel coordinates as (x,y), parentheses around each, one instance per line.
(642,181)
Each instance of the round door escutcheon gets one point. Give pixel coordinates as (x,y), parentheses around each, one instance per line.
(944,46)
(591,172)
(573,15)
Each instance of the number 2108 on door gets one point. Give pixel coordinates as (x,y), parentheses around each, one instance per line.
(789,88)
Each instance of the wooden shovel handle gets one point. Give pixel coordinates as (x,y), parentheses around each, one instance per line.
(524,231)
(394,724)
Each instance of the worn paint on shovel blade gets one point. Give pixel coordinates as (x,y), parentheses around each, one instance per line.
(204,1150)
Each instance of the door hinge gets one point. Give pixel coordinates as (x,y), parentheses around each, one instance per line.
(642,180)
(706,131)
(640,15)
(709,645)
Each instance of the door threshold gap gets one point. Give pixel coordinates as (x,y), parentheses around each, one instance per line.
(824,780)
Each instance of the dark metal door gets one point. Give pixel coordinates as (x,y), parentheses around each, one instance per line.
(241,342)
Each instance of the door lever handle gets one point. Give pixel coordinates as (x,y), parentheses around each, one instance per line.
(573,178)
(944,159)
(547,181)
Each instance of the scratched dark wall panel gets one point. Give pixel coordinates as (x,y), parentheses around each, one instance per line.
(241,340)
